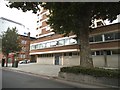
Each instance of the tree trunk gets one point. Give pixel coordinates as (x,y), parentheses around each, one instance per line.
(85,52)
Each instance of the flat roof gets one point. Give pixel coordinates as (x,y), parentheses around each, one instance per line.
(11,21)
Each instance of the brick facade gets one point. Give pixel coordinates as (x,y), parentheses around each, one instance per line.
(25,43)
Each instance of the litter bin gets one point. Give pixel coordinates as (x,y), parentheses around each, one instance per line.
(16,64)
(3,62)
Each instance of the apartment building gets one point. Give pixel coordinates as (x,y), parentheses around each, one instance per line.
(55,49)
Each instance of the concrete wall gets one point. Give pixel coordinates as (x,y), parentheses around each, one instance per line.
(88,79)
(45,60)
(98,61)
(71,60)
(112,61)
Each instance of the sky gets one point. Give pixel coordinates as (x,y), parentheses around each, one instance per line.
(28,18)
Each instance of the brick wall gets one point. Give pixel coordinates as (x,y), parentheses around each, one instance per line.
(27,45)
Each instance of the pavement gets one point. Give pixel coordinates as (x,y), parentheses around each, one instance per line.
(35,68)
(50,71)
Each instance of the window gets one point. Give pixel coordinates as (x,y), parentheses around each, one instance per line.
(61,42)
(91,39)
(98,38)
(23,42)
(36,46)
(70,54)
(73,41)
(43,55)
(32,47)
(108,52)
(98,53)
(53,43)
(67,42)
(39,55)
(43,45)
(75,53)
(92,53)
(117,35)
(48,44)
(40,46)
(109,36)
(117,51)
(66,54)
(50,55)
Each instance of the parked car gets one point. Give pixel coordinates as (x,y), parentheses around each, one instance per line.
(24,61)
(28,61)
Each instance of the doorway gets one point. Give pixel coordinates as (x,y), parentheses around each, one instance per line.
(56,60)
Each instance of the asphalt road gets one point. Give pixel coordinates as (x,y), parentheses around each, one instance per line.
(11,79)
(21,80)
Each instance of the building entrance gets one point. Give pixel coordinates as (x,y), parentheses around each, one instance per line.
(57,59)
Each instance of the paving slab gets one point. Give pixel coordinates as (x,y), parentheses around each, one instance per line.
(47,70)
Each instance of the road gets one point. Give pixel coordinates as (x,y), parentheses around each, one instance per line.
(11,79)
(21,80)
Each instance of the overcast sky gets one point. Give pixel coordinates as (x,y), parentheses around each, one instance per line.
(28,18)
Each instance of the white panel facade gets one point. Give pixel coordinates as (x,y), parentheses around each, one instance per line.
(45,60)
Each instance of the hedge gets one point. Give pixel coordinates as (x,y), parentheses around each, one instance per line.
(97,72)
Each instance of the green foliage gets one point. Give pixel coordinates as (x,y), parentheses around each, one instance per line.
(10,41)
(66,17)
(96,72)
(25,6)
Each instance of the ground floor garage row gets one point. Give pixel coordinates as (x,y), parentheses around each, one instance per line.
(110,59)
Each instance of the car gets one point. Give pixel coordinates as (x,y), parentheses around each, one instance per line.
(24,61)
(28,61)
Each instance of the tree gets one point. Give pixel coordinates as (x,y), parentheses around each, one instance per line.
(75,17)
(10,42)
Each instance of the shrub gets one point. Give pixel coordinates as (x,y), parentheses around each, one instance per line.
(97,72)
